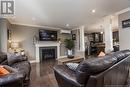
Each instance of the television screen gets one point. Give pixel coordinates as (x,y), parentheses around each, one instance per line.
(47,35)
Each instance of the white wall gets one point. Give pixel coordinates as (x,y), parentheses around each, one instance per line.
(124,34)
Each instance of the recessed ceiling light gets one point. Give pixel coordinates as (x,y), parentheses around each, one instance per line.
(101,32)
(67,25)
(93,11)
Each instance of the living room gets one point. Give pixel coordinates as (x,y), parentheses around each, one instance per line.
(64,43)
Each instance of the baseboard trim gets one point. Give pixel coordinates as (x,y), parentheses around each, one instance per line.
(61,57)
(33,61)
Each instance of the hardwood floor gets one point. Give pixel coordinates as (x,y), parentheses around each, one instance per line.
(42,74)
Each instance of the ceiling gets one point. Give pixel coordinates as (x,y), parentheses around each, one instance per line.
(98,25)
(58,13)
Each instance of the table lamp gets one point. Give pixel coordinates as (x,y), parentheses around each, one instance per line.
(15,46)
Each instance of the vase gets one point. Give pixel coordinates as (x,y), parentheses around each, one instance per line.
(70,54)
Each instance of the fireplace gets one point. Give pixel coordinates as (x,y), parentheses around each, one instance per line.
(47,44)
(48,53)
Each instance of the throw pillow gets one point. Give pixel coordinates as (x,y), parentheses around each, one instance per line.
(12,58)
(72,66)
(101,54)
(3,71)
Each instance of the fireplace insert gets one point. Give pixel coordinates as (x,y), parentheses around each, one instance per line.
(48,53)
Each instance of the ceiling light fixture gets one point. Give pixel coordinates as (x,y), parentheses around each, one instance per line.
(93,11)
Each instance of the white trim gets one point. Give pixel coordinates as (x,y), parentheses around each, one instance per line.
(63,31)
(35,61)
(75,29)
(62,57)
(82,43)
(122,11)
(32,61)
(38,26)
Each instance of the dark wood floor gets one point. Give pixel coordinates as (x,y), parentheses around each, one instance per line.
(42,74)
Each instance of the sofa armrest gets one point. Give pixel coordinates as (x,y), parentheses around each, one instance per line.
(66,77)
(10,78)
(10,69)
(13,76)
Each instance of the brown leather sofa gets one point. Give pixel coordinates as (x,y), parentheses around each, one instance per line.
(19,72)
(109,71)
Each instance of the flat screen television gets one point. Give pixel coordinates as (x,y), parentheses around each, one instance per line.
(47,35)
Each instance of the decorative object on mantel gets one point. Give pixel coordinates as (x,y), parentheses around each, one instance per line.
(59,40)
(35,39)
(69,44)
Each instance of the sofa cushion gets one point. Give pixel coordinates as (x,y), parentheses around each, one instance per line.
(4,62)
(126,52)
(3,57)
(23,67)
(96,65)
(12,58)
(121,54)
(93,66)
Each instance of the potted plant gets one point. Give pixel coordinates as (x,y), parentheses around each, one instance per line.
(69,44)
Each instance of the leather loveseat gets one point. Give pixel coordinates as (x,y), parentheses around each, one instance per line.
(109,71)
(19,72)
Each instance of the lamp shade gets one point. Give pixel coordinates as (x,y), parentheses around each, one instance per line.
(14,44)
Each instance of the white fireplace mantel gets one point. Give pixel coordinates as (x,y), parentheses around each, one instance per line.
(46,44)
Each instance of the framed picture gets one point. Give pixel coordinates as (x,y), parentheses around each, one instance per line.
(73,36)
(126,23)
(8,34)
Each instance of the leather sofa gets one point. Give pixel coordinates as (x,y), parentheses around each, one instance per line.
(19,72)
(109,71)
